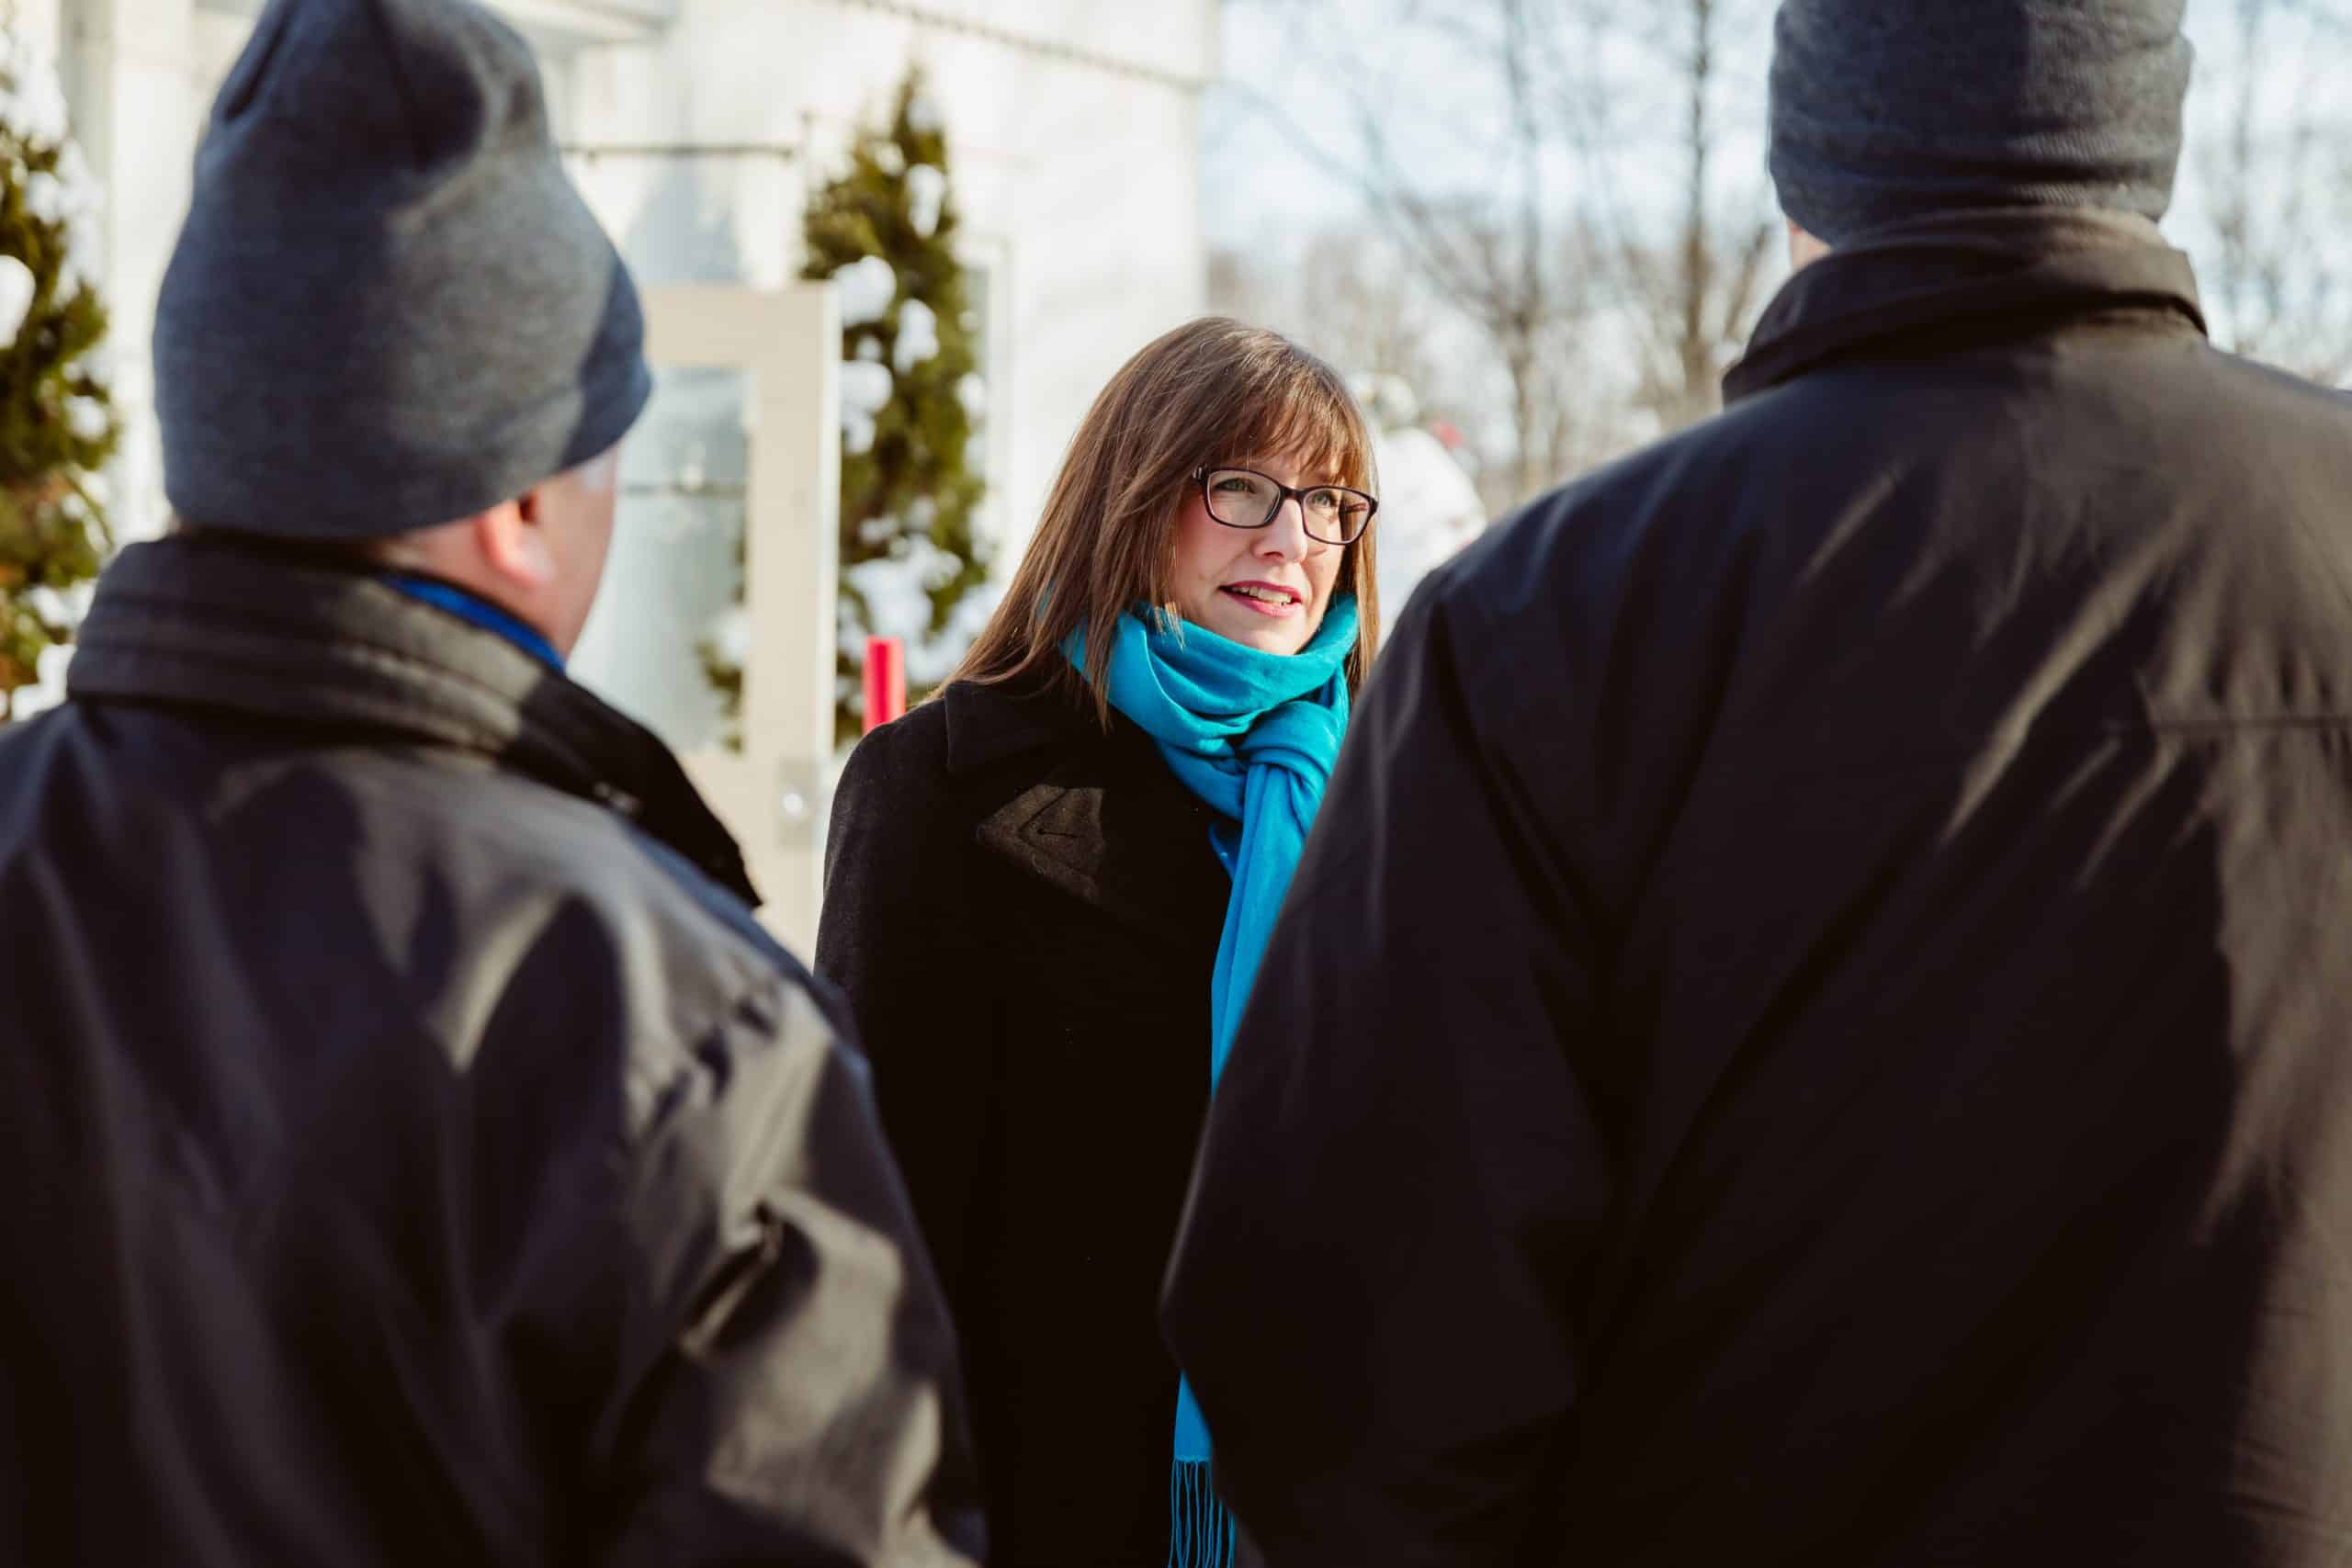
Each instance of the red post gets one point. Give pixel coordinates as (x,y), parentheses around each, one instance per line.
(886,681)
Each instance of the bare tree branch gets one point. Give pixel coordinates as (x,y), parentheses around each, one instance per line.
(2280,192)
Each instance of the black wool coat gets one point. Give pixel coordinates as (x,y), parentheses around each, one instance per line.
(1813,1028)
(1023,913)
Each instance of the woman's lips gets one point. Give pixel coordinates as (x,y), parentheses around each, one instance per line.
(1281,609)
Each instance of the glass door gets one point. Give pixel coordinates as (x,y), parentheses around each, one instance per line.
(716,626)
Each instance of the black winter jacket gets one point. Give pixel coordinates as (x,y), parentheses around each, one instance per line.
(1815,1026)
(1023,913)
(415,1151)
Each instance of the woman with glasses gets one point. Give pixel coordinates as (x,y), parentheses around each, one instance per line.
(1048,890)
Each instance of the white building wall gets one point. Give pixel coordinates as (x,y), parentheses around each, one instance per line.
(1074,134)
(125,65)
(1073,125)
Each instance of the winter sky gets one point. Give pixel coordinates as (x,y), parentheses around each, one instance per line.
(1314,60)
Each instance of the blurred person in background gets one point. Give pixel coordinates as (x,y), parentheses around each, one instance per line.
(416,1151)
(1813,1029)
(1047,887)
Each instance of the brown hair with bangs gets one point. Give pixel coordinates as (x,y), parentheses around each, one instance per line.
(1213,391)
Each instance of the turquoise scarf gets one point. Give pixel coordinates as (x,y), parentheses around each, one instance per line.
(1254,735)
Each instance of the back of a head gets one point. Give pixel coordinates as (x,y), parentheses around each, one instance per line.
(1888,110)
(389,306)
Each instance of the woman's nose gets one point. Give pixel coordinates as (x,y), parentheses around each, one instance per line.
(1285,538)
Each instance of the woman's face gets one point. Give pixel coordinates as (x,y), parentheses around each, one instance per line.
(1266,588)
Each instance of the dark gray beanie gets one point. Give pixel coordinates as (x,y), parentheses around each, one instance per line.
(1885,110)
(389,306)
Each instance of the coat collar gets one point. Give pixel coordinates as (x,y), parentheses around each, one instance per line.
(988,723)
(1102,817)
(284,638)
(1907,288)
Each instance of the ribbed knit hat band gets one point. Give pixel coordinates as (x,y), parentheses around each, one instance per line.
(1885,110)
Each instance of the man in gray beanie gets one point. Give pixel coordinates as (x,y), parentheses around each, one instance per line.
(417,1152)
(1812,1027)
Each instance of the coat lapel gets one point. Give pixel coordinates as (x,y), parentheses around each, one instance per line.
(1133,859)
(1055,832)
(1106,821)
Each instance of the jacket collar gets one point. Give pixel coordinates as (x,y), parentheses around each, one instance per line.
(988,723)
(1938,282)
(1101,817)
(284,638)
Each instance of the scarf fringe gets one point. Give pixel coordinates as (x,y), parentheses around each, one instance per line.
(1200,1526)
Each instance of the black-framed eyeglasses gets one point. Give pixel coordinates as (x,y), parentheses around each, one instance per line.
(1244,498)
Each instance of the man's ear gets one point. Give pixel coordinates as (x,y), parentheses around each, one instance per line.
(515,541)
(1804,248)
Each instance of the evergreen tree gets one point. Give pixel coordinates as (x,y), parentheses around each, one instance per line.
(57,422)
(884,229)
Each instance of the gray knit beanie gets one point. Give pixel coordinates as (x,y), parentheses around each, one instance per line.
(389,306)
(1889,109)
